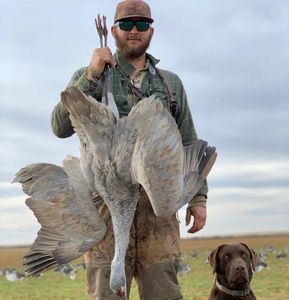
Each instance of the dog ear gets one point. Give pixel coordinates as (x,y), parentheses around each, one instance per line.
(253,255)
(213,257)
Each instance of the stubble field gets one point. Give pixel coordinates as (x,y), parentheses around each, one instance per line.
(270,283)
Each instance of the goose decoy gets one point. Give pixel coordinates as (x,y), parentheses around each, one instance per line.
(67,270)
(12,275)
(183,267)
(193,254)
(260,265)
(117,156)
(282,255)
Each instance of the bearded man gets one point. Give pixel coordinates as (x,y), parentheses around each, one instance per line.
(153,251)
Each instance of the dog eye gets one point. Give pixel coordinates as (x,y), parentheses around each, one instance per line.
(244,254)
(227,256)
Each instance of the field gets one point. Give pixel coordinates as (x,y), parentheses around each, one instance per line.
(270,283)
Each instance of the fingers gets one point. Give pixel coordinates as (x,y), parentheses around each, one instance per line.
(104,55)
(195,228)
(200,216)
(188,216)
(100,57)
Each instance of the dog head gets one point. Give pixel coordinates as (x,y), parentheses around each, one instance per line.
(233,264)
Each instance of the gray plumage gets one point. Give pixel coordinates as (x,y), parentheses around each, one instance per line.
(61,202)
(144,148)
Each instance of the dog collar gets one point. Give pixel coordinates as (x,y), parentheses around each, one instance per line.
(234,293)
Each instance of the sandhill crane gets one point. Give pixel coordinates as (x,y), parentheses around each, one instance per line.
(117,156)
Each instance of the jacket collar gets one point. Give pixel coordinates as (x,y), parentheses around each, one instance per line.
(129,68)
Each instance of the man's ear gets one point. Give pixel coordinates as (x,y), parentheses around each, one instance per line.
(213,258)
(253,255)
(112,30)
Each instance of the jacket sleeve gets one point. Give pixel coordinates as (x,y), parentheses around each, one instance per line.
(184,118)
(189,135)
(60,122)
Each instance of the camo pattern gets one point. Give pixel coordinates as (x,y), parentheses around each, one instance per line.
(151,257)
(150,84)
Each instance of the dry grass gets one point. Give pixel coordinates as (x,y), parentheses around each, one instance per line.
(270,284)
(11,257)
(256,241)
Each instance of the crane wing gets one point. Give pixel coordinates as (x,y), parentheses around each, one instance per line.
(94,125)
(158,156)
(62,203)
(170,173)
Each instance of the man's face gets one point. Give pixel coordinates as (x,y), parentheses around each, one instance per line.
(133,43)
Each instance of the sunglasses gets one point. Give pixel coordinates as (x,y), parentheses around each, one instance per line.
(127,25)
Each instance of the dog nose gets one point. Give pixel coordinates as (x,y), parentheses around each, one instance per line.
(240,269)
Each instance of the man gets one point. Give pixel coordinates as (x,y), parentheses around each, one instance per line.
(153,250)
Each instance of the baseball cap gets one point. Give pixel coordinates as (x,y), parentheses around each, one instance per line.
(133,9)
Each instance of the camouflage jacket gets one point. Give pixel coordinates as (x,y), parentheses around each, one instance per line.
(151,84)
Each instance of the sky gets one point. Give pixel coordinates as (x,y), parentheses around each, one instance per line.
(233,58)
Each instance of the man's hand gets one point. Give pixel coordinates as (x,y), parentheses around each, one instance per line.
(200,215)
(100,57)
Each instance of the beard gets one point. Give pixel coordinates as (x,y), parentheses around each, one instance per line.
(131,51)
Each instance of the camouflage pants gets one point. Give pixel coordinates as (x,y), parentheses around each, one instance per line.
(151,257)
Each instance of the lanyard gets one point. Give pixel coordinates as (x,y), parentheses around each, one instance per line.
(139,94)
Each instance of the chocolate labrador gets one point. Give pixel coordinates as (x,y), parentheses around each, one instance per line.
(234,265)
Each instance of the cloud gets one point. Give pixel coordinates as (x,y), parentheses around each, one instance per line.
(234,61)
(250,173)
(233,58)
(241,211)
(18,226)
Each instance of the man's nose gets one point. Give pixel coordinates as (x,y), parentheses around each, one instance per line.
(134,29)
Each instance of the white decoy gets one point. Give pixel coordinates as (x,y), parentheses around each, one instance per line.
(144,148)
(13,275)
(183,267)
(260,265)
(67,270)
